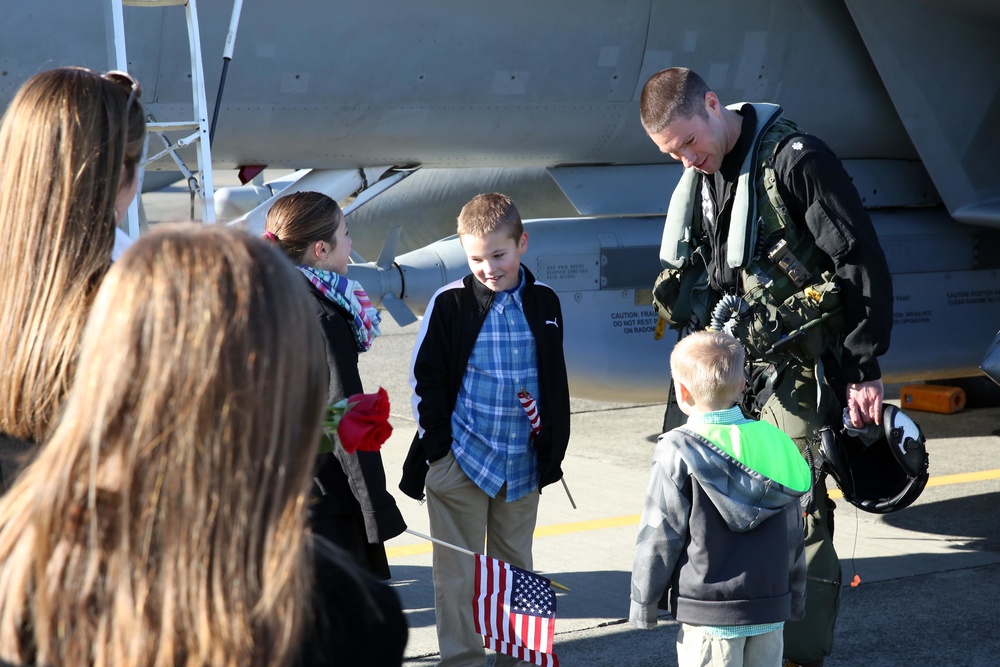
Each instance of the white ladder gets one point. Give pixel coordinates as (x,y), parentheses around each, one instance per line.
(201,181)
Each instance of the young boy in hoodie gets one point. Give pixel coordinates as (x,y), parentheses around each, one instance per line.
(721,530)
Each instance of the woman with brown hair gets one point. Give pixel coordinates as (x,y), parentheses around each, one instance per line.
(351,506)
(164,521)
(70,144)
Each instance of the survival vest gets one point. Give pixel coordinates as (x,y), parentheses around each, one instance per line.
(789,299)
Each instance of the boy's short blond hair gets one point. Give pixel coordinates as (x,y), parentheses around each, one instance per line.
(710,365)
(488,213)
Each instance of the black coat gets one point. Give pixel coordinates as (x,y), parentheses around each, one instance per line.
(351,506)
(447,336)
(15,454)
(822,200)
(356,619)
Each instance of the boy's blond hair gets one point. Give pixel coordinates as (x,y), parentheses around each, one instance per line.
(710,365)
(488,213)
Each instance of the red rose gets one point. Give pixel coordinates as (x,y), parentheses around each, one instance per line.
(364,425)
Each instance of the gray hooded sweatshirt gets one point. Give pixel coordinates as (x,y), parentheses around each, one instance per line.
(721,529)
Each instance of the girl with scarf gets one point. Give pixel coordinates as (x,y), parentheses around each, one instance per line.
(350,504)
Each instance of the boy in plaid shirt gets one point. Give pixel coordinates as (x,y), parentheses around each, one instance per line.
(482,340)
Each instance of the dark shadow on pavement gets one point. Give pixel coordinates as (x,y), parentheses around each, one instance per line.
(970,517)
(415,587)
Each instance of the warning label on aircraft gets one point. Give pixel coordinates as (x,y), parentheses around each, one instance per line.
(634,321)
(569,272)
(910,312)
(908,316)
(912,317)
(973,297)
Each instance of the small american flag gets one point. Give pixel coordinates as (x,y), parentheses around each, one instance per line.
(515,611)
(530,407)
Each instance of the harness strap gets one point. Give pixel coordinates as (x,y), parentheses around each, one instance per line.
(694,271)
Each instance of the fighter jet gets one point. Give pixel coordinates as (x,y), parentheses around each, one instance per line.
(405,110)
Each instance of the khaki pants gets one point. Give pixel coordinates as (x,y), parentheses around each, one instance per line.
(462,514)
(697,648)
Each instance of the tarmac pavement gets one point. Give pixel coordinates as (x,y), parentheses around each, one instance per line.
(930,574)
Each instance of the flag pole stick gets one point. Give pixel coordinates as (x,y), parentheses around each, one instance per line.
(441,542)
(568,494)
(466,551)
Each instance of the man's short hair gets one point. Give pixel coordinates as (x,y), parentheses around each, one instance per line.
(710,365)
(673,93)
(488,213)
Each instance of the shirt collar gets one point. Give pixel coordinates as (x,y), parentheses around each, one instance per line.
(517,294)
(731,416)
(733,161)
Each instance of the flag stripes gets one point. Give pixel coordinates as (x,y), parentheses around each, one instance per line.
(521,653)
(531,407)
(515,611)
(492,597)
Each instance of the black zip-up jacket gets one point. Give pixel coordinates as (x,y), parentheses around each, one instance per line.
(822,199)
(447,335)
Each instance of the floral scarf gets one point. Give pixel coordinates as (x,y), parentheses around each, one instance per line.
(349,295)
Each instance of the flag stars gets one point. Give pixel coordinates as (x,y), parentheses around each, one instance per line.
(522,625)
(532,597)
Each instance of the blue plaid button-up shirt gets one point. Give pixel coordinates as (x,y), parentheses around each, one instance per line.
(491,429)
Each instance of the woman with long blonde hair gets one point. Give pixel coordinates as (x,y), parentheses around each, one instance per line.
(164,522)
(70,144)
